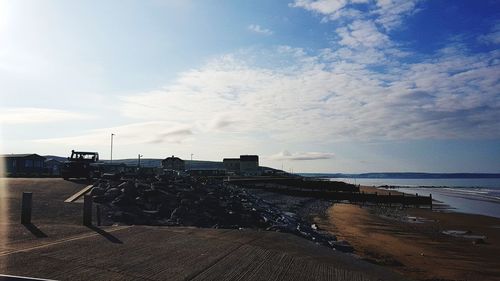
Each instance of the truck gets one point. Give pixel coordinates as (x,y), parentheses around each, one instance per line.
(81,164)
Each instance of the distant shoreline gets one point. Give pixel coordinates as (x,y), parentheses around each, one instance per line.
(408,175)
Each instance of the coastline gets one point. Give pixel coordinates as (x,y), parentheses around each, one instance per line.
(411,241)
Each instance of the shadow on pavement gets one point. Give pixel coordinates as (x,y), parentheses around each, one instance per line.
(106,235)
(35,230)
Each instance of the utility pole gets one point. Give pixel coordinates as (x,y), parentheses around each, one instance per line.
(191,162)
(112,148)
(139,160)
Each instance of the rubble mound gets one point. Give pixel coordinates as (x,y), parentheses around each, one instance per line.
(175,200)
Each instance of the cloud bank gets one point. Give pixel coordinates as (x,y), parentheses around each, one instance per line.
(333,96)
(364,87)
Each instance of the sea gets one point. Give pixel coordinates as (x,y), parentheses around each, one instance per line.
(472,195)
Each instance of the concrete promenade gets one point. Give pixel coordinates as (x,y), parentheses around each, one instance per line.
(57,246)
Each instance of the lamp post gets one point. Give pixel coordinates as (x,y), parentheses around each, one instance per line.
(111,149)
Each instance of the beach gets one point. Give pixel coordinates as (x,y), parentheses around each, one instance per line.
(411,241)
(57,246)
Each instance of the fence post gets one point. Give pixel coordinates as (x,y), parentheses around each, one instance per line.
(87,210)
(430,196)
(26,207)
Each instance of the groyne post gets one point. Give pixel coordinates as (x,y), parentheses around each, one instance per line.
(87,210)
(26,206)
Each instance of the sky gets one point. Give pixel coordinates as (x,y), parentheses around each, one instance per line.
(308,85)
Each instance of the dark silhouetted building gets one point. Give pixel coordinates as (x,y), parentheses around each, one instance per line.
(173,163)
(246,165)
(249,165)
(23,164)
(53,167)
(232,165)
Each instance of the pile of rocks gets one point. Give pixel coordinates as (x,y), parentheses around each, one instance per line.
(176,200)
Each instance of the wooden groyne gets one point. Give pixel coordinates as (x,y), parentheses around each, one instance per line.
(335,191)
(298,183)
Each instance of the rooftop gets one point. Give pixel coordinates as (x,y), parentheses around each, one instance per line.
(20,155)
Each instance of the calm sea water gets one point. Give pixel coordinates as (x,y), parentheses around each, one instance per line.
(474,196)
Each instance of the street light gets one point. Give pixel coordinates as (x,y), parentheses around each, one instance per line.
(111,149)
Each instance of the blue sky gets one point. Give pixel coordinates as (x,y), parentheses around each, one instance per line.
(315,86)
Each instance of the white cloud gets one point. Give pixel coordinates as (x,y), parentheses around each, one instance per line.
(365,27)
(324,98)
(258,29)
(33,115)
(301,156)
(390,13)
(325,7)
(493,37)
(362,34)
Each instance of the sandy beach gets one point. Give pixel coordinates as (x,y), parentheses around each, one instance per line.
(411,241)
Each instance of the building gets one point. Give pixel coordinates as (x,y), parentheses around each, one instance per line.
(232,165)
(249,165)
(246,165)
(207,173)
(23,164)
(53,167)
(173,163)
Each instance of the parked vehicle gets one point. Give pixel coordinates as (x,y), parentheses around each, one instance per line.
(81,164)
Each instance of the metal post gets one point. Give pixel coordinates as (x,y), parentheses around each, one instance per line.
(26,207)
(191,162)
(111,156)
(430,196)
(87,210)
(139,160)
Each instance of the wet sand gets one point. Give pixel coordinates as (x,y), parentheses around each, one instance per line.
(417,248)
